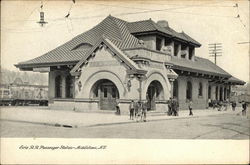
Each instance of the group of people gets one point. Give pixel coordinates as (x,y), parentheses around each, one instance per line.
(220,105)
(173,107)
(138,110)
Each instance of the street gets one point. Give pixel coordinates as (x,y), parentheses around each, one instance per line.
(212,126)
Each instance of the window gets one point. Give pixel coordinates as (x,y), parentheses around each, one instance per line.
(209,92)
(96,93)
(105,92)
(158,43)
(167,41)
(175,89)
(183,51)
(176,47)
(58,87)
(190,53)
(216,93)
(26,94)
(200,89)
(113,92)
(5,92)
(189,91)
(69,87)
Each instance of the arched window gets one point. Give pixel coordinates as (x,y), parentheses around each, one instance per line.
(189,91)
(58,86)
(200,89)
(69,87)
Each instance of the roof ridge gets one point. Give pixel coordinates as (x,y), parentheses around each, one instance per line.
(140,21)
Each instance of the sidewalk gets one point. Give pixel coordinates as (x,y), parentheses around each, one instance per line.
(45,116)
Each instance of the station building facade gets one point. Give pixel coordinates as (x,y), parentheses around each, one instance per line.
(120,61)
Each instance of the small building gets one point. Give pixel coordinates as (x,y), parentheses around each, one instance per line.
(120,61)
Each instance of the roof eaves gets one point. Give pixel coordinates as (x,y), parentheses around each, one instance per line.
(199,71)
(36,65)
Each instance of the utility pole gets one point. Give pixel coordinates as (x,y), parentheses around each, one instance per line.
(215,50)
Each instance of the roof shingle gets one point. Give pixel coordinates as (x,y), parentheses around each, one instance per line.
(198,65)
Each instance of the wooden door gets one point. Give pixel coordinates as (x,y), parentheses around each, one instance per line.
(108,97)
(151,95)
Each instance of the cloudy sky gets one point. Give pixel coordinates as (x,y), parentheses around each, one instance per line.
(211,21)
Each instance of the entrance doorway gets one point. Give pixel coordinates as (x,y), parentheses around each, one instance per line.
(154,93)
(106,92)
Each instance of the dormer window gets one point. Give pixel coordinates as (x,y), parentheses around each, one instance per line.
(83,46)
(176,46)
(191,53)
(158,43)
(183,51)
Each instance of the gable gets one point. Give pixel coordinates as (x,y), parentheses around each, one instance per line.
(104,57)
(113,50)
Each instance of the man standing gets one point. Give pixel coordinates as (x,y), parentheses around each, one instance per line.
(190,107)
(244,108)
(175,107)
(118,112)
(233,105)
(131,110)
(170,107)
(144,111)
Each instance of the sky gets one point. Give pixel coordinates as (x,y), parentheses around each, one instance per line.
(211,21)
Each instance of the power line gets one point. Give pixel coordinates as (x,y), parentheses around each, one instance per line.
(243,42)
(147,11)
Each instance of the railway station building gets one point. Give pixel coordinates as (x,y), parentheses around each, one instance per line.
(120,61)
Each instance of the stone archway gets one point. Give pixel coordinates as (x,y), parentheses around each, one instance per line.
(156,76)
(154,92)
(100,75)
(106,92)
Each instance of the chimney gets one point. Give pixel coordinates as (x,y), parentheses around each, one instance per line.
(163,23)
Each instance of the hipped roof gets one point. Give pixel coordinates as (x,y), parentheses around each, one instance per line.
(118,33)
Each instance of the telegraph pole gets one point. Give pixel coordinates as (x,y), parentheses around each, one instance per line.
(215,50)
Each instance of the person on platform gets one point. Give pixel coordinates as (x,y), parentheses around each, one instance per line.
(175,107)
(139,111)
(233,105)
(220,106)
(131,110)
(144,111)
(244,108)
(190,107)
(169,112)
(136,109)
(118,112)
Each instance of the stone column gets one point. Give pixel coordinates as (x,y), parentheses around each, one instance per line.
(172,48)
(213,92)
(51,90)
(172,87)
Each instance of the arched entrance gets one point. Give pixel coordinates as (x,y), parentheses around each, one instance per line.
(154,92)
(106,92)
